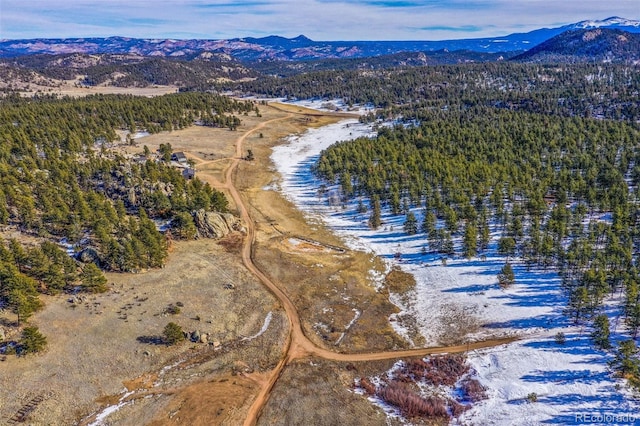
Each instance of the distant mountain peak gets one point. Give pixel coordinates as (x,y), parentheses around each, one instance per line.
(612,22)
(302,37)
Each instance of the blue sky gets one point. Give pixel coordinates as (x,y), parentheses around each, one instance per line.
(317,19)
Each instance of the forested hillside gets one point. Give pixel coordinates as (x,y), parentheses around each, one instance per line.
(548,155)
(61,182)
(588,90)
(124,70)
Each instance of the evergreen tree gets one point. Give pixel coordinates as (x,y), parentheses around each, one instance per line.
(632,307)
(507,246)
(172,334)
(184,225)
(375,219)
(485,235)
(428,225)
(626,362)
(92,279)
(32,341)
(506,277)
(411,224)
(578,305)
(600,333)
(470,240)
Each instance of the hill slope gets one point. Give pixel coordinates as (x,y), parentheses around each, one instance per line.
(600,44)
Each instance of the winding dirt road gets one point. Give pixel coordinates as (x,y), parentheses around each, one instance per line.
(298,345)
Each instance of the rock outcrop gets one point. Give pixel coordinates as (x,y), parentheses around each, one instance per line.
(89,255)
(216,225)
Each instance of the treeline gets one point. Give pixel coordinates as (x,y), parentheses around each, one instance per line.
(586,90)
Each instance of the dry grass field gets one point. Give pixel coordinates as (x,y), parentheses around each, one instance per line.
(97,345)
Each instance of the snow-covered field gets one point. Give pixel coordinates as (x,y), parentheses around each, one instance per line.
(463,298)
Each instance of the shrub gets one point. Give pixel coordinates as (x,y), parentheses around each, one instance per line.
(472,389)
(437,370)
(456,409)
(367,386)
(173,310)
(561,339)
(410,404)
(532,397)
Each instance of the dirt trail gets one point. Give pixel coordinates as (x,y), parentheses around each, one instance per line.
(298,345)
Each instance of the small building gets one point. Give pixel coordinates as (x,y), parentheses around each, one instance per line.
(179,157)
(189,173)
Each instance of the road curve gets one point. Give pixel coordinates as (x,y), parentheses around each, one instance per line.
(298,345)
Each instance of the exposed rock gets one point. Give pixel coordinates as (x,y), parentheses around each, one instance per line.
(204,338)
(195,336)
(75,300)
(89,255)
(132,197)
(216,225)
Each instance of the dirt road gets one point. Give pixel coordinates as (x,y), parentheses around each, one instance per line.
(298,345)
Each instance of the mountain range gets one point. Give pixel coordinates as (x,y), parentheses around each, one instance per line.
(297,48)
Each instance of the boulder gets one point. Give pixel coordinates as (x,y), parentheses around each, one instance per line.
(131,197)
(216,225)
(195,336)
(204,338)
(89,255)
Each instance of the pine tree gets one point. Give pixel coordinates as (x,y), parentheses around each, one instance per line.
(92,279)
(428,223)
(375,219)
(172,334)
(626,362)
(507,246)
(506,277)
(32,341)
(578,305)
(470,240)
(485,235)
(600,333)
(411,224)
(632,307)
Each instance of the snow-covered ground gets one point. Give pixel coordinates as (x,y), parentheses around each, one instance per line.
(330,105)
(463,298)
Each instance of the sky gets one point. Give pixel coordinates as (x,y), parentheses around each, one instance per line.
(322,20)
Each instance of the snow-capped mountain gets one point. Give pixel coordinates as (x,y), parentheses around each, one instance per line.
(612,22)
